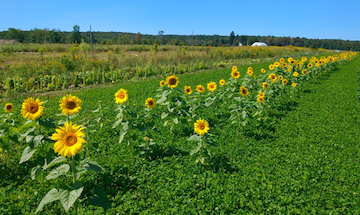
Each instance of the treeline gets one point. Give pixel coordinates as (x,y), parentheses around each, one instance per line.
(57,36)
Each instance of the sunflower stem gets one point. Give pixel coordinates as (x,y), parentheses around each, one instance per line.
(73,168)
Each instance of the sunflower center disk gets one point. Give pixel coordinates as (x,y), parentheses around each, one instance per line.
(121,96)
(70,105)
(70,139)
(33,108)
(172,81)
(8,107)
(201,127)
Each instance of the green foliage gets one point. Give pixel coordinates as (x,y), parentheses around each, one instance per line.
(300,157)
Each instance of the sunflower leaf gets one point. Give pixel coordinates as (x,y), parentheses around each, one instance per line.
(55,161)
(51,196)
(35,172)
(48,123)
(58,171)
(68,198)
(27,154)
(194,137)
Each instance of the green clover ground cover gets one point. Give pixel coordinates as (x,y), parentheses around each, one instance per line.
(306,163)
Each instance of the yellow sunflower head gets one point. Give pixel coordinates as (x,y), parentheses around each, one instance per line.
(282,60)
(31,109)
(9,107)
(296,74)
(211,86)
(304,71)
(200,88)
(250,68)
(261,94)
(276,64)
(260,99)
(250,72)
(272,77)
(121,96)
(303,59)
(271,67)
(284,81)
(243,91)
(263,70)
(162,83)
(310,65)
(188,90)
(172,81)
(281,77)
(201,127)
(293,84)
(234,68)
(235,74)
(222,82)
(70,104)
(69,139)
(265,85)
(150,103)
(290,59)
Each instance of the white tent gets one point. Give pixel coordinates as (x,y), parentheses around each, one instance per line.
(259,44)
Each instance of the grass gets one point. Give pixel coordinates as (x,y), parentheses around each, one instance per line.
(307,162)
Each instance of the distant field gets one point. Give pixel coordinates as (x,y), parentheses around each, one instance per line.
(34,67)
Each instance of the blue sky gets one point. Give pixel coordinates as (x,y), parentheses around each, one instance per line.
(331,19)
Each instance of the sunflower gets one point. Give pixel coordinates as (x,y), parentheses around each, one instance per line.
(201,127)
(211,86)
(9,107)
(172,81)
(69,139)
(243,91)
(310,65)
(250,72)
(318,64)
(260,99)
(150,103)
(263,70)
(290,59)
(70,104)
(250,68)
(293,84)
(282,60)
(234,68)
(276,64)
(271,67)
(261,94)
(222,82)
(162,83)
(254,76)
(265,85)
(200,88)
(121,96)
(284,81)
(32,109)
(303,59)
(272,77)
(281,77)
(188,90)
(235,74)
(304,71)
(296,74)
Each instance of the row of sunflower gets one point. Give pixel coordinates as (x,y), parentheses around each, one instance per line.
(243,97)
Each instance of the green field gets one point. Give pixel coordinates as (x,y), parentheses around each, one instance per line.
(299,156)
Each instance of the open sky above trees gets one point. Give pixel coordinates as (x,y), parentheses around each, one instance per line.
(321,19)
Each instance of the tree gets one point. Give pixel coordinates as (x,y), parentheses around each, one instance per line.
(76,36)
(231,38)
(138,37)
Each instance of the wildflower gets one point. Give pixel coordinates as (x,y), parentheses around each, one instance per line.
(32,109)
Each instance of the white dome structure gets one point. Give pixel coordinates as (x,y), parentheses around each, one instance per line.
(259,44)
